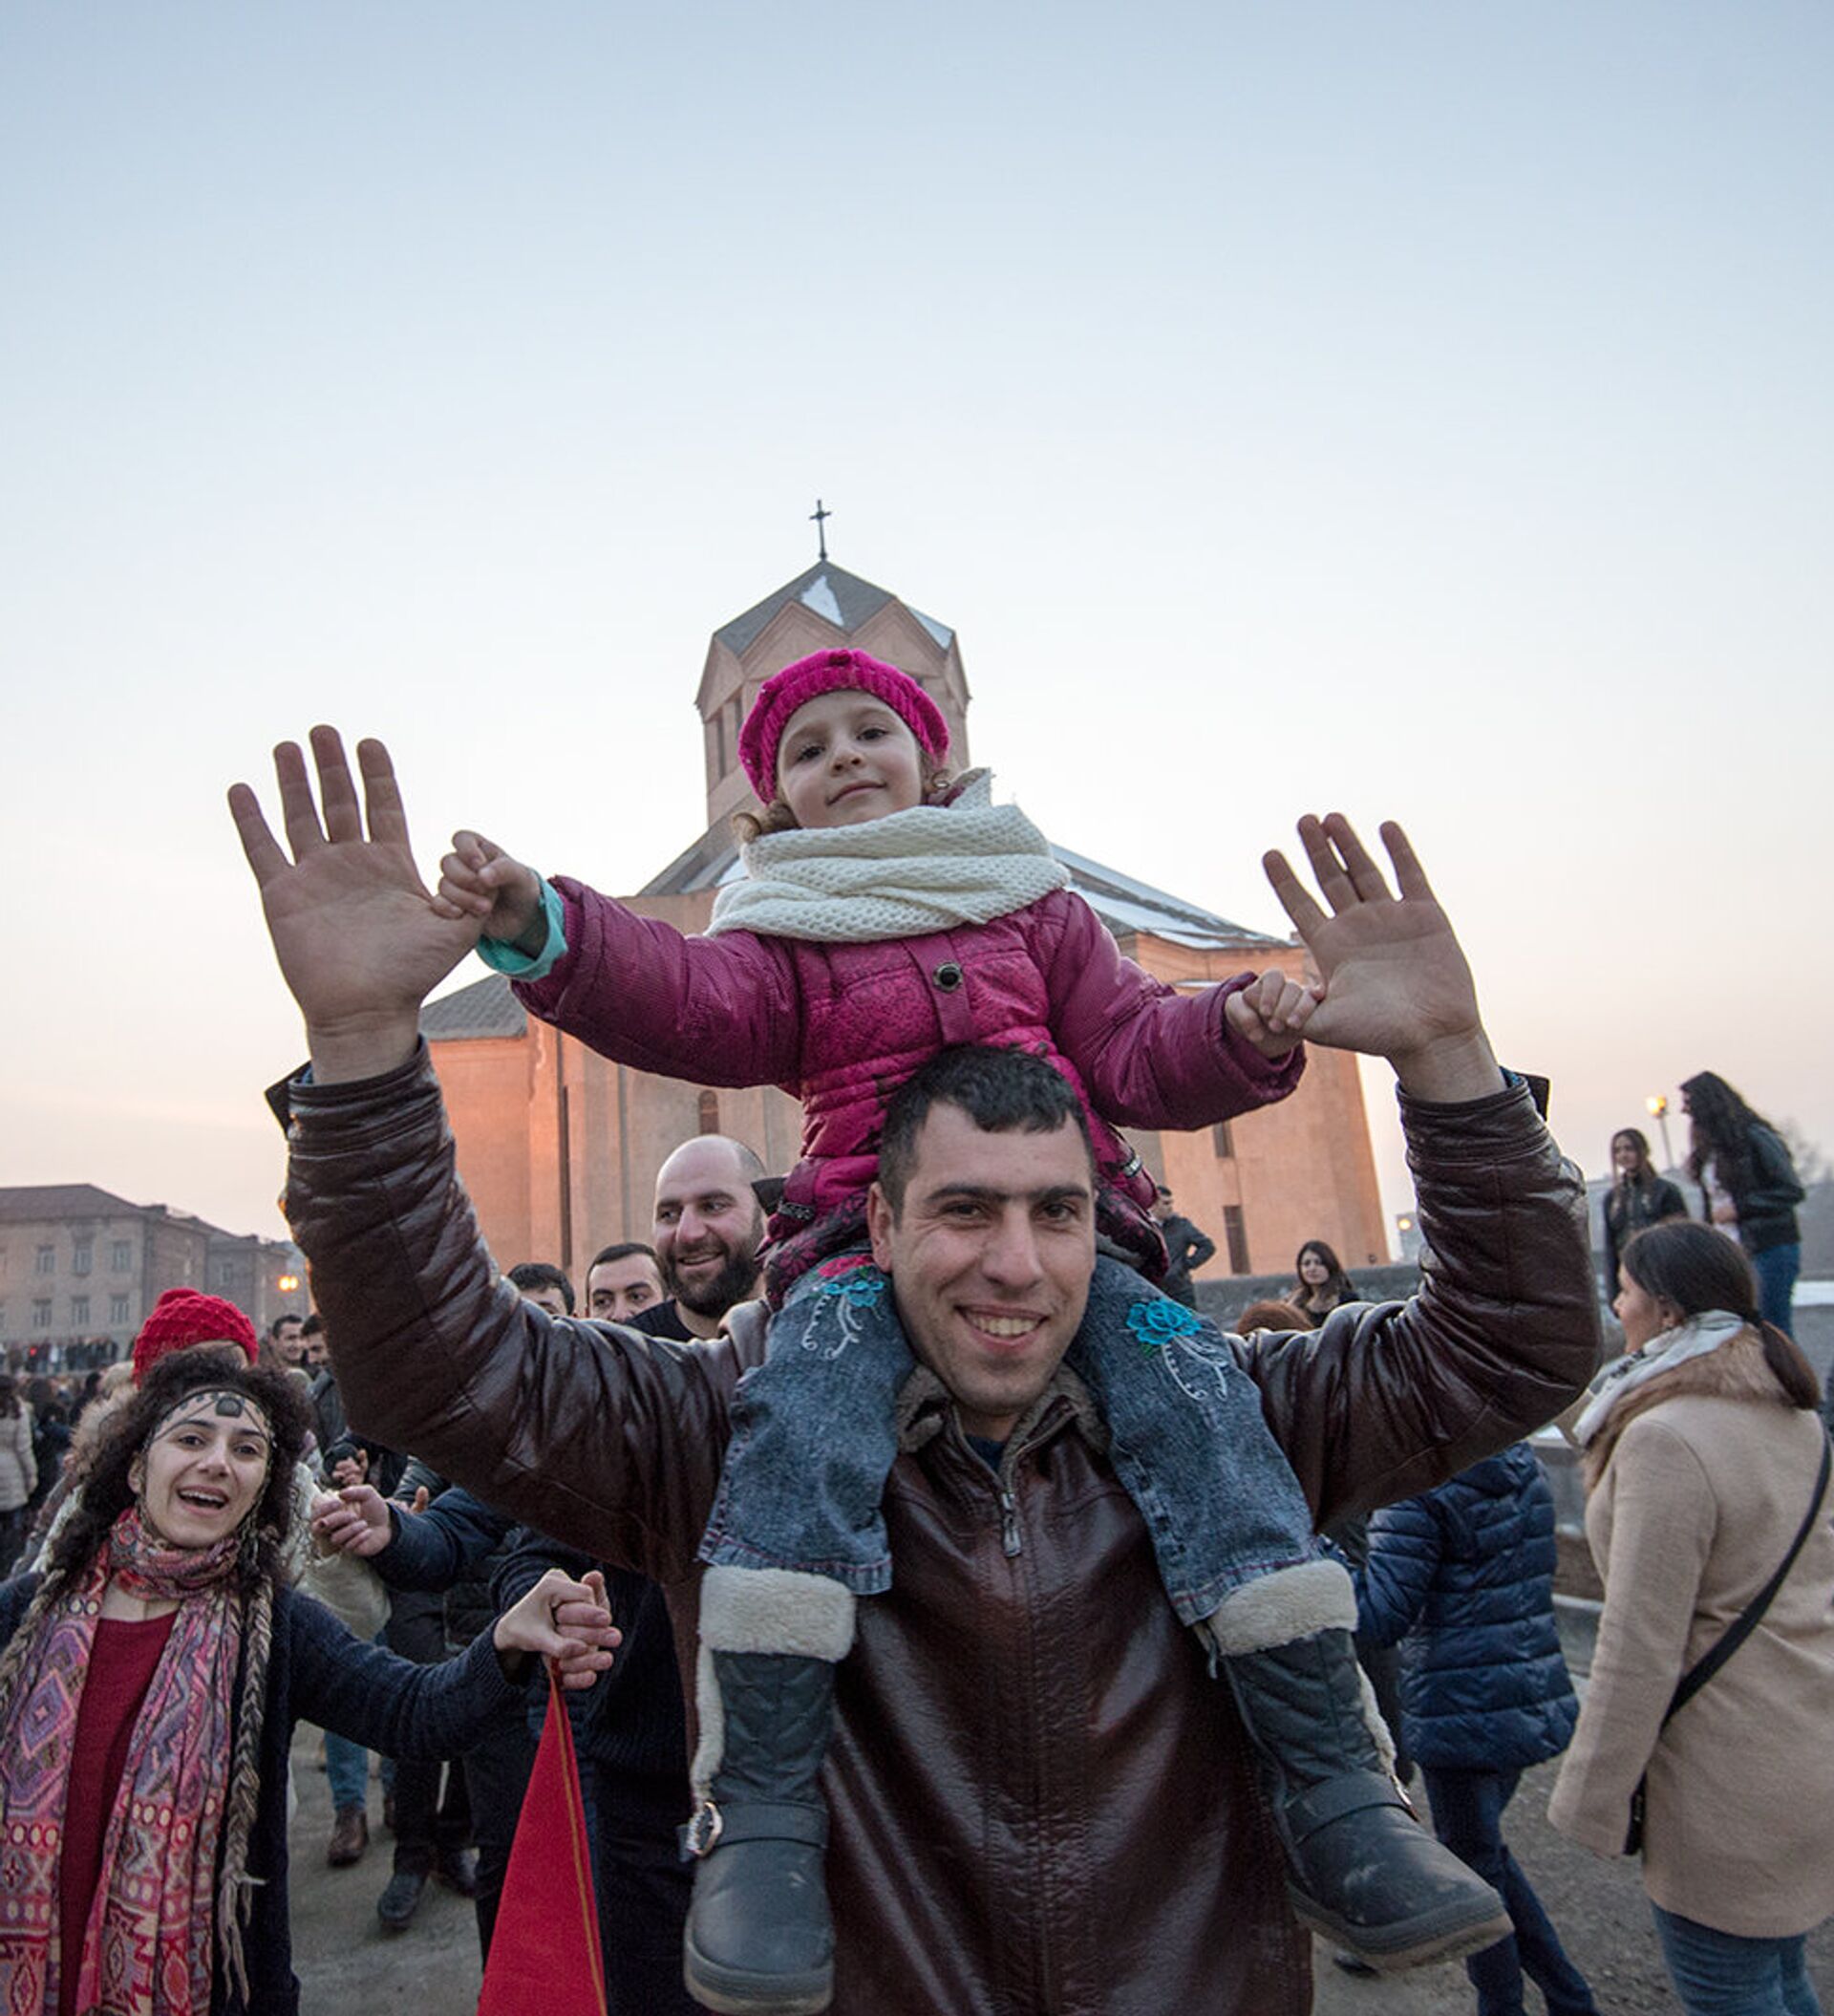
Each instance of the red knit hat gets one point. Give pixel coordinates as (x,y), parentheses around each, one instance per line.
(183,1316)
(832,672)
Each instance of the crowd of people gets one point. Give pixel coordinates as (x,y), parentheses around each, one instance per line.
(943,1551)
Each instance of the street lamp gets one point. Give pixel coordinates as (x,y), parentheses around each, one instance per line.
(1658,1107)
(287,1283)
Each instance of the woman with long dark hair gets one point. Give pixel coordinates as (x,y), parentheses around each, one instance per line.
(1750,1187)
(1706,1475)
(1322,1284)
(149,1684)
(1637,1197)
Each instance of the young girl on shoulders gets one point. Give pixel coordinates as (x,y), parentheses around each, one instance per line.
(889,911)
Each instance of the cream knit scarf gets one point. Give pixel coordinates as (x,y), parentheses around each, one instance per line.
(901,876)
(1692,1339)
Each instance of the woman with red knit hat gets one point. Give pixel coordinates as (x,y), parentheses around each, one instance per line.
(890,911)
(183,1318)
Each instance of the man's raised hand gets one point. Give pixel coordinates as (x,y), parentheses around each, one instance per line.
(359,940)
(1395,979)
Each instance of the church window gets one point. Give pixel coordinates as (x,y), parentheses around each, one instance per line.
(1224,1140)
(709,1112)
(1235,1235)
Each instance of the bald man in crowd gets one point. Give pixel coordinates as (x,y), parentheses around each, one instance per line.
(708,1226)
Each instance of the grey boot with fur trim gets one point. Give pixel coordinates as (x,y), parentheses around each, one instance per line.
(760,1937)
(1360,1868)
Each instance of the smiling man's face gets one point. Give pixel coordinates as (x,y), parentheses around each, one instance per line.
(707,1228)
(990,1255)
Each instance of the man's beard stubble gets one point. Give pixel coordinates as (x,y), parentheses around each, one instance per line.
(734,1283)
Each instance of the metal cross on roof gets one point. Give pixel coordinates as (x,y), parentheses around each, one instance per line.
(818,517)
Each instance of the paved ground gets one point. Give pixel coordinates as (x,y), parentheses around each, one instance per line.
(347,1965)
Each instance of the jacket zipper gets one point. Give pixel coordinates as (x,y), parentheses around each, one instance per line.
(1011,1543)
(1028,1968)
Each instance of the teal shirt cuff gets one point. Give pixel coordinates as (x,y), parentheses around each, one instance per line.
(501,957)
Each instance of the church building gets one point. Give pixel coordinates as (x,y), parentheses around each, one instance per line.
(559,1147)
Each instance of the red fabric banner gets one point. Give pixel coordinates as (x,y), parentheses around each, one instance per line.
(545,1954)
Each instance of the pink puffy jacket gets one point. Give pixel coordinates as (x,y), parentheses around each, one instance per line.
(843,1026)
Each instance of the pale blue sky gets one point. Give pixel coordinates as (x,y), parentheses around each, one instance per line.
(1419,408)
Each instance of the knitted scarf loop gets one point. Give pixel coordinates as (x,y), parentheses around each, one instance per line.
(1692,1339)
(901,876)
(147,1949)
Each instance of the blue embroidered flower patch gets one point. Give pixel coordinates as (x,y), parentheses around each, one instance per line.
(1159,1321)
(861,1288)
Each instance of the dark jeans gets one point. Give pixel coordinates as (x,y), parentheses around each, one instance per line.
(427,1822)
(496,1778)
(1468,1816)
(1776,1268)
(643,1887)
(432,1818)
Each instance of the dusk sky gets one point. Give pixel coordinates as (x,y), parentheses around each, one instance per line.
(1417,410)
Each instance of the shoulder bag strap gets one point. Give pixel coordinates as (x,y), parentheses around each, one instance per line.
(1716,1655)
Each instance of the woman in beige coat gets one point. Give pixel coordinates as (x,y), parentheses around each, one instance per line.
(1702,1454)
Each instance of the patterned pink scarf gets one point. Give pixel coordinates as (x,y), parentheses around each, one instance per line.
(150,1939)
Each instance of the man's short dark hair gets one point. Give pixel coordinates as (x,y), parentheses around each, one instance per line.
(533,1275)
(1000,1090)
(313,1325)
(625,1249)
(279,1323)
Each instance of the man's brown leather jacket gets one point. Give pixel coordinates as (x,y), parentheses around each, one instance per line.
(1042,1804)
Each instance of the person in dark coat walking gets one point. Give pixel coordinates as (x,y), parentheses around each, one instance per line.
(1462,1578)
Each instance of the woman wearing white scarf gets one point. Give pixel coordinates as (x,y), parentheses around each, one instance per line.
(1702,1453)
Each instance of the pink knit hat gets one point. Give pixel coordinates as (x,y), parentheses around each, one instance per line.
(832,672)
(181,1318)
